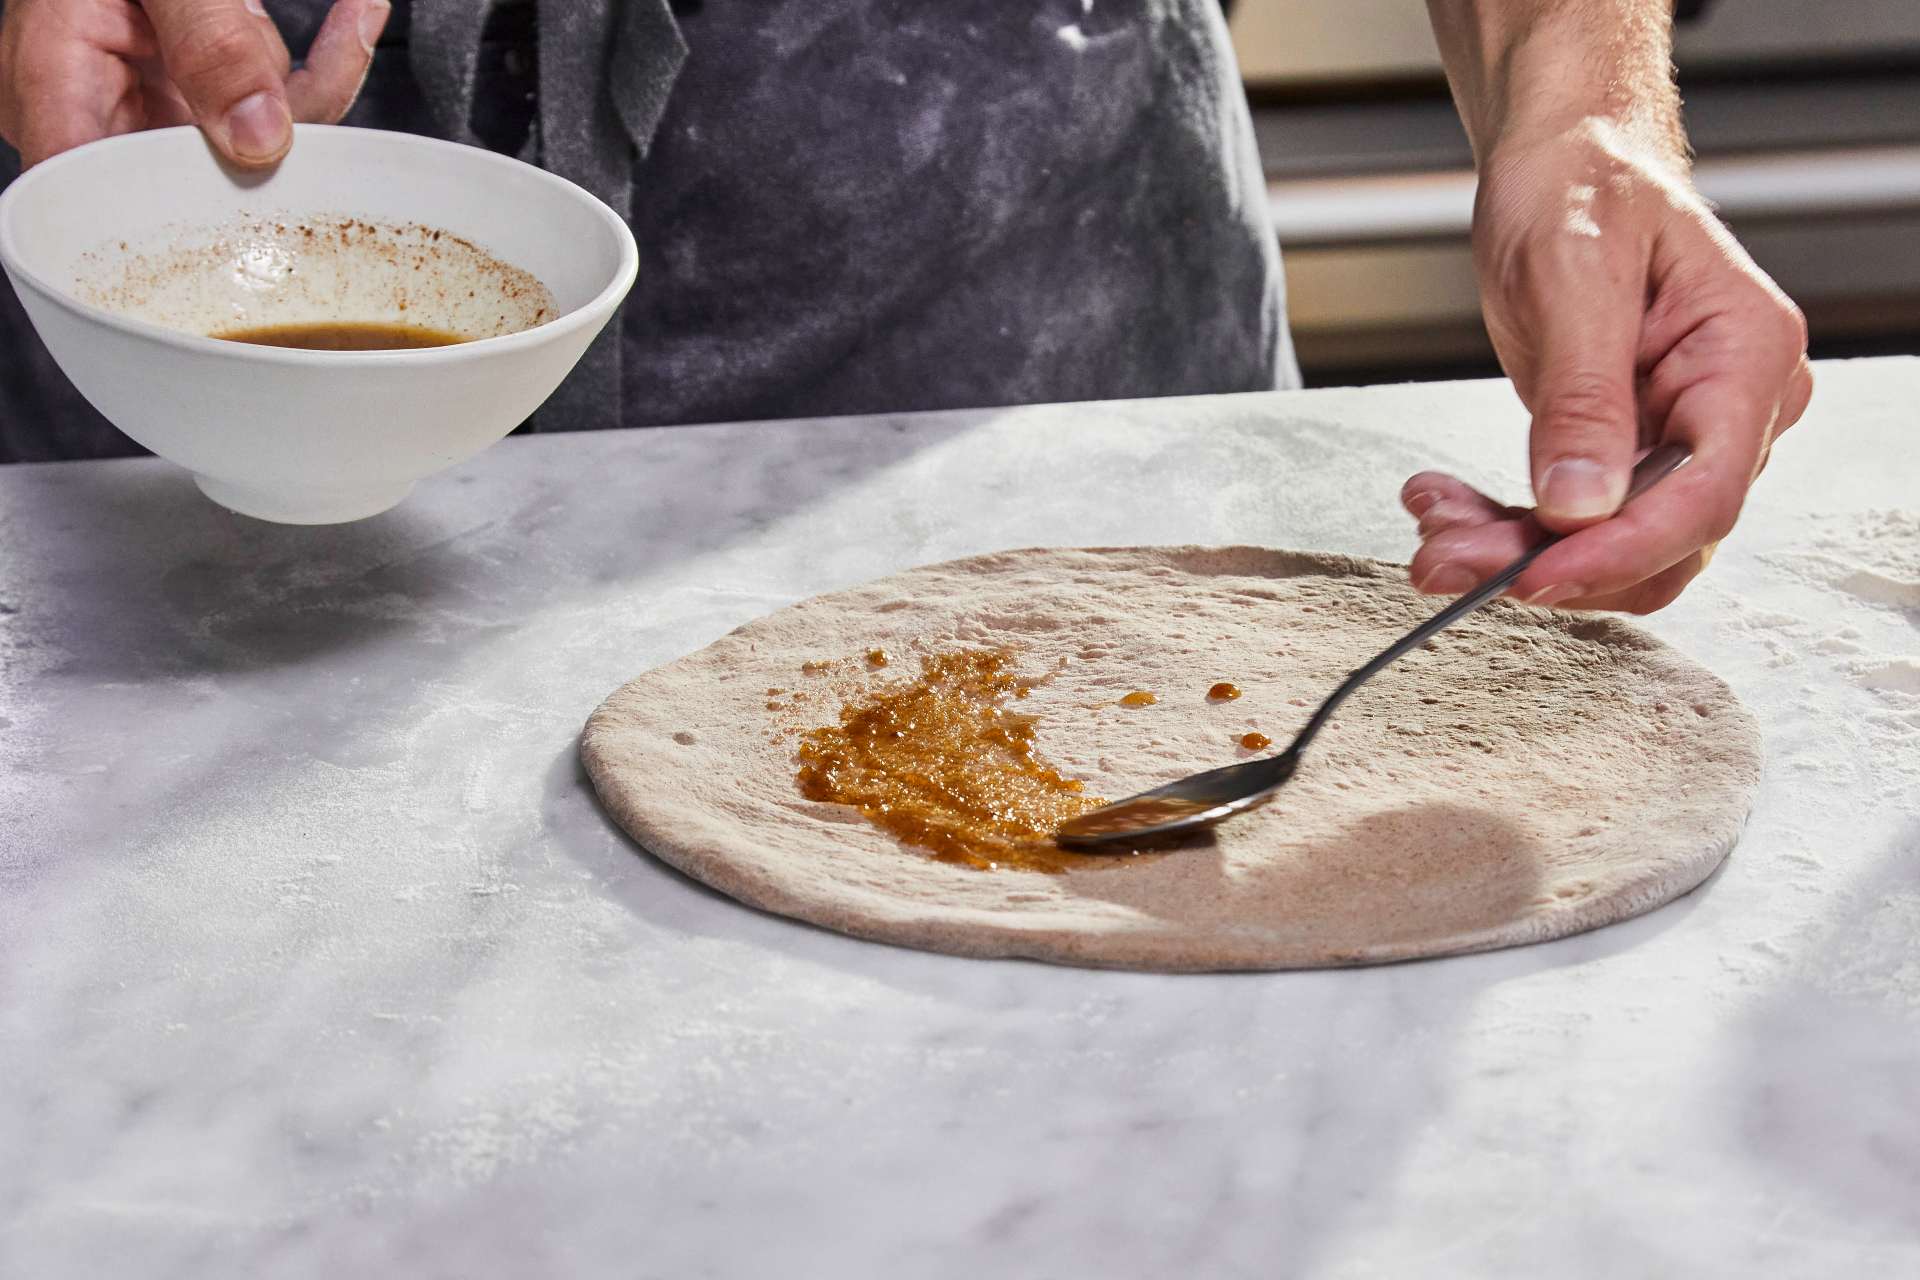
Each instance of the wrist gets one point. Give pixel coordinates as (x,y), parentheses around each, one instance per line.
(1628,133)
(1591,141)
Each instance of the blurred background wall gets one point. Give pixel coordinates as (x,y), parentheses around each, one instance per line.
(1805,115)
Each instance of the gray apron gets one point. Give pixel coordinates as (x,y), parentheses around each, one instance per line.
(844,206)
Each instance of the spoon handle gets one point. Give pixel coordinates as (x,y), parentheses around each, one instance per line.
(1658,464)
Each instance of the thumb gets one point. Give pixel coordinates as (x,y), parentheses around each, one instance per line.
(1585,417)
(222,56)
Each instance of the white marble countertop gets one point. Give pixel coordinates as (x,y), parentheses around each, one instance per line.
(317,957)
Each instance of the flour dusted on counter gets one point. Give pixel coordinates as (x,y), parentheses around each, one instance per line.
(1869,558)
(1873,556)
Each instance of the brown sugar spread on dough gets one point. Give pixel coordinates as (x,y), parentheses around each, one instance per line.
(940,763)
(1138,698)
(1224,692)
(1255,741)
(876,657)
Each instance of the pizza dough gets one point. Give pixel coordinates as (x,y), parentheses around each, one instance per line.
(1527,775)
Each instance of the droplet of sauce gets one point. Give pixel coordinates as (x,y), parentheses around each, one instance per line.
(942,764)
(1138,698)
(876,657)
(1255,741)
(1224,692)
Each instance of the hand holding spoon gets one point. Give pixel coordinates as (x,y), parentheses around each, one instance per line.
(1202,799)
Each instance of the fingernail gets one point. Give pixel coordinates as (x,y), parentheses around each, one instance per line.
(1417,503)
(258,8)
(257,128)
(373,20)
(1547,597)
(1447,580)
(1581,489)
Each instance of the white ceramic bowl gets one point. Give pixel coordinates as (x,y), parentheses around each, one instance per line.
(128,252)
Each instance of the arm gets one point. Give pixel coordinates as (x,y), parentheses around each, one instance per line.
(1623,310)
(1520,67)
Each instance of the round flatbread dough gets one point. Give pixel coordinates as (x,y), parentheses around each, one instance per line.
(1526,775)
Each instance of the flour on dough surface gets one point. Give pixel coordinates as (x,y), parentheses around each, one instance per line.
(1526,776)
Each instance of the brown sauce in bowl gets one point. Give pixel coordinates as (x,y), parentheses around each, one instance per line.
(344,337)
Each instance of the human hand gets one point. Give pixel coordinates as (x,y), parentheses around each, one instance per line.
(72,71)
(1626,315)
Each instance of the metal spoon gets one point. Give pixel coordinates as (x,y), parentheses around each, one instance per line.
(1202,799)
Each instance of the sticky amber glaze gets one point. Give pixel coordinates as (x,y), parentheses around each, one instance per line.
(941,763)
(1255,741)
(1224,692)
(1138,698)
(877,657)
